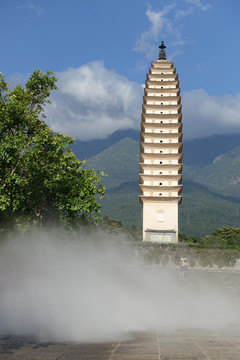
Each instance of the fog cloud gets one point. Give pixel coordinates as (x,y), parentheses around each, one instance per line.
(94,290)
(93,102)
(206,115)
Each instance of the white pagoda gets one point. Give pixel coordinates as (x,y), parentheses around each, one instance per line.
(161,152)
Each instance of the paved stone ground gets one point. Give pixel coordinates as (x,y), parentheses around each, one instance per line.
(158,345)
(178,344)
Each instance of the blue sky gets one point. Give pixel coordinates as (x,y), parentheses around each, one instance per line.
(102,49)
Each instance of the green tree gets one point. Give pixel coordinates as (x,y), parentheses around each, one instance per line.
(195,239)
(112,226)
(182,237)
(40,177)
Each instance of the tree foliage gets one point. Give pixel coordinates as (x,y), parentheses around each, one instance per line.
(226,236)
(40,177)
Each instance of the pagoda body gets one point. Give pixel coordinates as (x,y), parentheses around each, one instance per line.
(161,152)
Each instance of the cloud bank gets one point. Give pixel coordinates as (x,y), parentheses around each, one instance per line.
(93,102)
(207,115)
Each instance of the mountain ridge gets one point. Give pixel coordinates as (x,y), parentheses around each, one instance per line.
(196,152)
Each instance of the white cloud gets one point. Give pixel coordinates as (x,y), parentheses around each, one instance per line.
(207,115)
(160,24)
(93,102)
(158,20)
(180,13)
(31,6)
(199,4)
(165,24)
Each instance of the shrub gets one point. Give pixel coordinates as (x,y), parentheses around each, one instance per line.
(164,259)
(157,257)
(229,234)
(205,259)
(191,261)
(214,240)
(195,239)
(182,237)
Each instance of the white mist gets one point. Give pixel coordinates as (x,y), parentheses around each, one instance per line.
(88,290)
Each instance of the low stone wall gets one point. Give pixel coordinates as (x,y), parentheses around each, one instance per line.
(224,259)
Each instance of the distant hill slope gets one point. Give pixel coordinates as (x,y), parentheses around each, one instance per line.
(222,176)
(119,162)
(200,152)
(202,211)
(87,149)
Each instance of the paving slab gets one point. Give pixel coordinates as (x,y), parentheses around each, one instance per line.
(180,344)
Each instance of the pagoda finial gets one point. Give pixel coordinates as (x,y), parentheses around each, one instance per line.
(162,53)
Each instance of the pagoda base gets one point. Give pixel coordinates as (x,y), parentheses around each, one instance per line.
(161,236)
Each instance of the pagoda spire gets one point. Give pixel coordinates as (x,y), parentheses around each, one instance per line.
(162,53)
